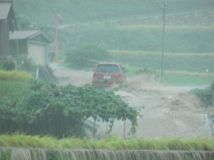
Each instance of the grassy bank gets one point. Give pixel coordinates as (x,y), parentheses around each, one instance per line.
(168,28)
(178,78)
(112,143)
(118,53)
(14,76)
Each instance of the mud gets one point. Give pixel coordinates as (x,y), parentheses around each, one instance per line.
(169,111)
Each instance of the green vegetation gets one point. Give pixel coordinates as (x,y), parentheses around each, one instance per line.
(24,63)
(176,78)
(205,95)
(80,58)
(118,53)
(145,70)
(64,109)
(23,22)
(168,28)
(195,41)
(54,156)
(6,155)
(22,68)
(112,143)
(78,10)
(10,90)
(14,75)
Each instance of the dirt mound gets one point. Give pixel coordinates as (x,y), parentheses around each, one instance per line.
(185,102)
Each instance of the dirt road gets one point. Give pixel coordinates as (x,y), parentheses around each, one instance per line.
(169,111)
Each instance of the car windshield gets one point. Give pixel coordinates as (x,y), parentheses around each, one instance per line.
(107,68)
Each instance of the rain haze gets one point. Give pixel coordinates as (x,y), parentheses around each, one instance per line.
(135,77)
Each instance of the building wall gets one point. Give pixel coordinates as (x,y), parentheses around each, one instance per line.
(22,45)
(4,39)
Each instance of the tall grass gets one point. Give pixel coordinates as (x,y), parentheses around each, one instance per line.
(14,75)
(118,53)
(133,70)
(167,28)
(112,143)
(10,90)
(178,78)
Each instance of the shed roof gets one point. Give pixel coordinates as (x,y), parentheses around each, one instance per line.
(23,34)
(4,9)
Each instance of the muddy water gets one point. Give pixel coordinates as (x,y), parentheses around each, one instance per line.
(89,154)
(168,112)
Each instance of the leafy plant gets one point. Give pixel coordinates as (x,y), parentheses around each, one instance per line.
(54,156)
(64,108)
(7,65)
(6,155)
(10,90)
(145,70)
(80,58)
(205,95)
(24,22)
(24,63)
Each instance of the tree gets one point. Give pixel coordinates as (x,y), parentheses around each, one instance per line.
(80,58)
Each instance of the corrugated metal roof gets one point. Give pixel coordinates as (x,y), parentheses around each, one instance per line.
(4,9)
(22,34)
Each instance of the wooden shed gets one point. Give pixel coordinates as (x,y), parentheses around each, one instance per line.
(7,24)
(33,43)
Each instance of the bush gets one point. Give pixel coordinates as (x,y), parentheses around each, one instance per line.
(205,95)
(80,58)
(10,90)
(63,109)
(24,64)
(6,155)
(14,75)
(7,65)
(145,70)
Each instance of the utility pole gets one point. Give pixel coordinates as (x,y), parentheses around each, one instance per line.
(163,35)
(213,93)
(57,20)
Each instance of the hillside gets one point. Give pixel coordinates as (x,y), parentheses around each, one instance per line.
(74,11)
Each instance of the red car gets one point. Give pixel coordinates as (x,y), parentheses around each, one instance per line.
(108,74)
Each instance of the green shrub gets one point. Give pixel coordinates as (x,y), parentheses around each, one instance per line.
(10,90)
(7,65)
(54,156)
(23,65)
(6,155)
(145,70)
(205,95)
(80,58)
(63,108)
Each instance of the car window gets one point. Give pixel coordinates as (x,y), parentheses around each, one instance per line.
(107,68)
